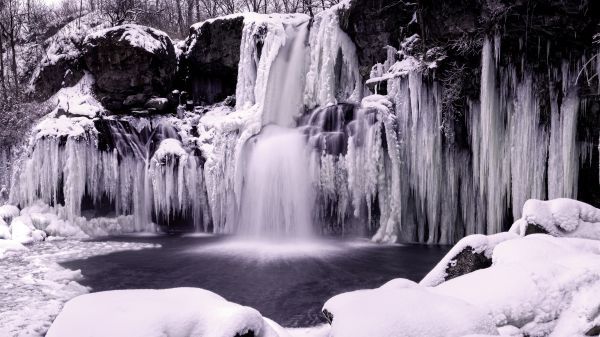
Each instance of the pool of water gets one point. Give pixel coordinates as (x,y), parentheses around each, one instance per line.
(286,281)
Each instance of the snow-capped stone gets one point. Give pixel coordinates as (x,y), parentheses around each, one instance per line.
(4,230)
(402,307)
(538,283)
(8,212)
(128,60)
(471,253)
(61,65)
(158,103)
(178,312)
(560,217)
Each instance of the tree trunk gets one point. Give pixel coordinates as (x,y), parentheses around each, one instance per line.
(2,82)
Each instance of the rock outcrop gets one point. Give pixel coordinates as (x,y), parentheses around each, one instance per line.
(209,63)
(130,63)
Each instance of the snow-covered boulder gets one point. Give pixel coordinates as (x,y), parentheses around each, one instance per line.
(540,284)
(8,212)
(471,253)
(559,217)
(62,64)
(178,312)
(4,230)
(128,60)
(404,308)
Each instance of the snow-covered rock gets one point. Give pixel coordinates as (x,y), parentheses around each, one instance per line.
(8,212)
(560,217)
(404,308)
(128,60)
(61,65)
(178,312)
(4,230)
(469,254)
(539,284)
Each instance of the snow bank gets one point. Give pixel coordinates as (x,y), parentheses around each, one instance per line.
(539,284)
(475,244)
(35,287)
(560,217)
(178,312)
(401,307)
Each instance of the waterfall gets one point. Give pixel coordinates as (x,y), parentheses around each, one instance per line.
(278,196)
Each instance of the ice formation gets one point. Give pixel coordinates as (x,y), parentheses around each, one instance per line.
(389,161)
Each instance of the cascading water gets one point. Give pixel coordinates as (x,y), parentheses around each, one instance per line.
(277,194)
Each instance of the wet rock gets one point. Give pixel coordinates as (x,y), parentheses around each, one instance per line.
(209,64)
(535,229)
(467,261)
(135,100)
(328,316)
(130,60)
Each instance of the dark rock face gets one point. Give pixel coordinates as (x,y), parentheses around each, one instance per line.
(209,64)
(375,24)
(65,72)
(535,229)
(130,60)
(466,262)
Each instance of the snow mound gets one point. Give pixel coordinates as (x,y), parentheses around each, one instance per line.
(402,307)
(169,148)
(149,39)
(477,243)
(178,312)
(10,245)
(560,217)
(539,284)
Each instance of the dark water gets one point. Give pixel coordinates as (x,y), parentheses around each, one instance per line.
(288,285)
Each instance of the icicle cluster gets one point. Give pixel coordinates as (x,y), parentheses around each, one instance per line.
(65,165)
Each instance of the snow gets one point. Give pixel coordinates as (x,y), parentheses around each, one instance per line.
(4,230)
(66,43)
(560,217)
(539,284)
(10,246)
(7,212)
(478,244)
(178,312)
(149,39)
(402,306)
(34,287)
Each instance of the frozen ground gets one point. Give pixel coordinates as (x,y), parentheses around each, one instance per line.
(34,287)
